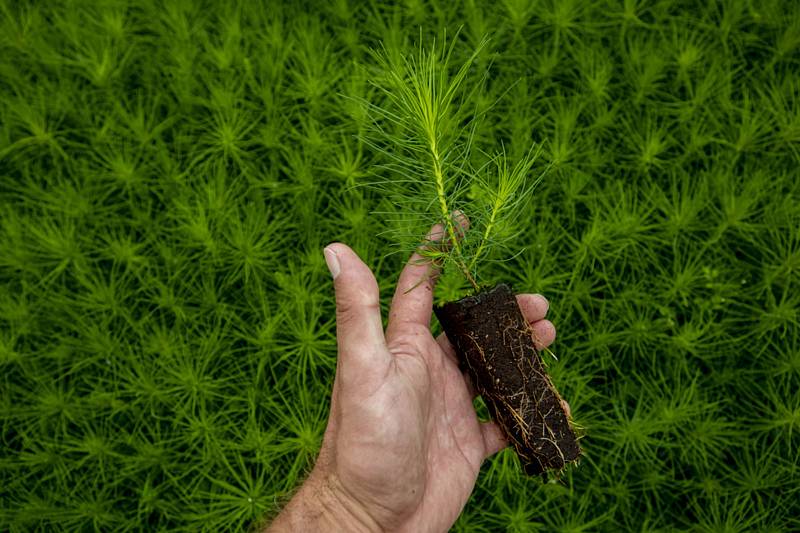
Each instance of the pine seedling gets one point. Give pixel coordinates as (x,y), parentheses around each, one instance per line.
(645,66)
(301,423)
(631,430)
(235,494)
(136,117)
(760,471)
(307,344)
(254,240)
(779,409)
(781,99)
(689,48)
(565,19)
(425,129)
(730,513)
(596,70)
(127,157)
(781,358)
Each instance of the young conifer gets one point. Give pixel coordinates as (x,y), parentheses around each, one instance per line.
(424,129)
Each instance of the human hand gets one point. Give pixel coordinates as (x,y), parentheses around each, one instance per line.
(403,445)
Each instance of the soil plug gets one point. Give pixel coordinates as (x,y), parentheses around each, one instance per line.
(425,129)
(495,347)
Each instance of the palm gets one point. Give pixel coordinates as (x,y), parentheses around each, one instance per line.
(422,408)
(403,439)
(426,396)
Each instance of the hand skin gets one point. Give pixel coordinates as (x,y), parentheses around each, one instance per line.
(403,444)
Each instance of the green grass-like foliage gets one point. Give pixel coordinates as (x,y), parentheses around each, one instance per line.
(427,138)
(170,172)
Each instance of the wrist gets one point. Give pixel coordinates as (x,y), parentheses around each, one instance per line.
(322,504)
(343,508)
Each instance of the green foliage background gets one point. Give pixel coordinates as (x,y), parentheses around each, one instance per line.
(169,174)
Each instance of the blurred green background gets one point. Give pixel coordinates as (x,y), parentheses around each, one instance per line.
(169,174)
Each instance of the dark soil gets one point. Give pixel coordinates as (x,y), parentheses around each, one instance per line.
(495,346)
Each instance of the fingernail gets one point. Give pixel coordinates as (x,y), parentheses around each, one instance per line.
(435,234)
(333,262)
(458,216)
(461,219)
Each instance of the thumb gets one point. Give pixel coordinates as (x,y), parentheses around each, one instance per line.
(359,331)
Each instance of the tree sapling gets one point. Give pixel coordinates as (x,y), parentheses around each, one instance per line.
(423,128)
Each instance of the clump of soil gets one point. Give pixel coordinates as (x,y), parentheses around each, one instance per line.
(495,346)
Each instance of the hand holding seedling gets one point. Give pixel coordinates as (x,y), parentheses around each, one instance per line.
(403,445)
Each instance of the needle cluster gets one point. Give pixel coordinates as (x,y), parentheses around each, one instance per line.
(424,121)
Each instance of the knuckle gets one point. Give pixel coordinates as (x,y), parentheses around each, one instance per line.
(413,338)
(356,305)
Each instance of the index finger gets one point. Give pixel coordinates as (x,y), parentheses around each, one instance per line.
(413,299)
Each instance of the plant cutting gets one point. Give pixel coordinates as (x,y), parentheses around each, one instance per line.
(424,129)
